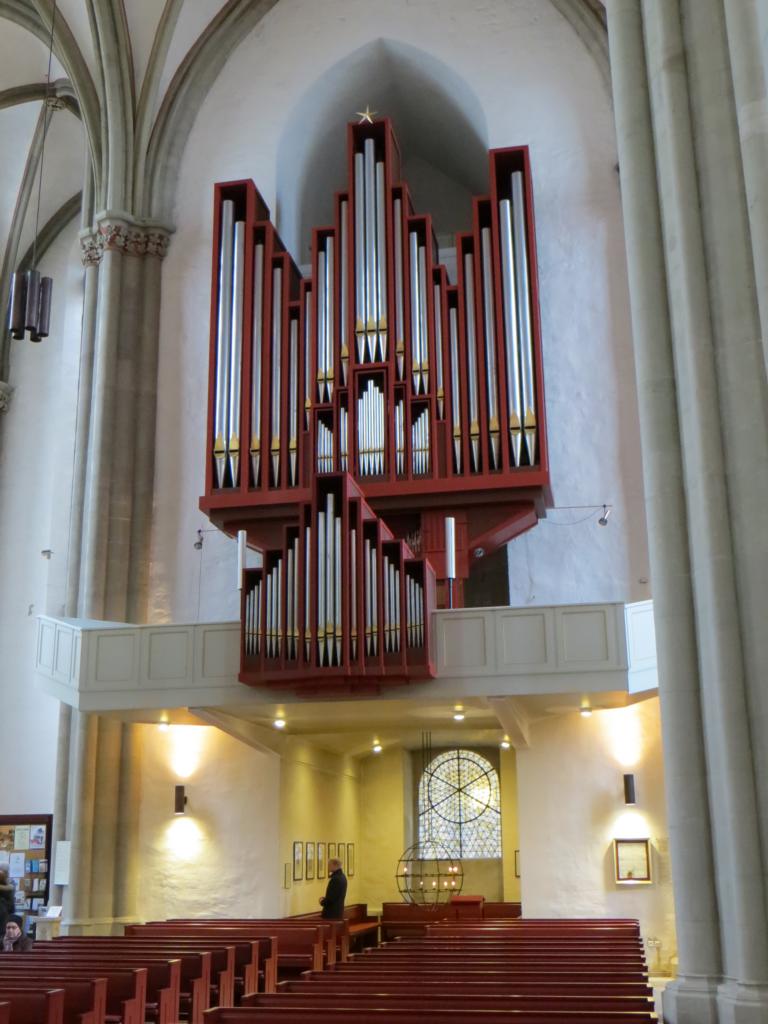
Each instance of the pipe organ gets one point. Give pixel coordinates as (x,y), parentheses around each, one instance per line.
(374,389)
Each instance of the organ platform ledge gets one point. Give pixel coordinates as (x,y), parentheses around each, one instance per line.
(584,650)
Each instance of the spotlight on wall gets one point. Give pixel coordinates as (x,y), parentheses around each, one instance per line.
(630,797)
(376,747)
(585,711)
(505,744)
(458,713)
(603,520)
(279,723)
(163,726)
(179,800)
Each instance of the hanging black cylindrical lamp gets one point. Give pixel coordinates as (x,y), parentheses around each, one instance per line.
(30,306)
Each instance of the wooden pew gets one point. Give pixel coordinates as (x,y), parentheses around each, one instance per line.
(358,923)
(85,999)
(349,998)
(195,962)
(5,1013)
(501,910)
(301,946)
(163,975)
(289,1014)
(468,987)
(126,987)
(255,957)
(35,1007)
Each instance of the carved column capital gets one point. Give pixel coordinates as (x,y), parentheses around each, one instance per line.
(115,235)
(91,248)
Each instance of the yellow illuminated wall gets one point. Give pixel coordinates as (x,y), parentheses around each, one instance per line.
(221,857)
(385,819)
(319,802)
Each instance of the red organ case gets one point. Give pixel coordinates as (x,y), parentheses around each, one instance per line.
(352,411)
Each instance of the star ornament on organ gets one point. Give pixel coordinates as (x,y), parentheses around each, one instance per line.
(366,115)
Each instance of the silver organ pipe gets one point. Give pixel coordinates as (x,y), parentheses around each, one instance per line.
(381,261)
(343,439)
(321,588)
(400,436)
(277,348)
(399,314)
(420,443)
(307,592)
(293,413)
(413,242)
(439,382)
(268,626)
(290,583)
(387,623)
(337,567)
(474,402)
(223,341)
(511,342)
(368,596)
(524,312)
(322,310)
(490,348)
(307,356)
(371,319)
(455,391)
(343,311)
(258,327)
(330,576)
(360,275)
(236,353)
(277,590)
(423,320)
(257,613)
(330,277)
(374,602)
(353,592)
(294,598)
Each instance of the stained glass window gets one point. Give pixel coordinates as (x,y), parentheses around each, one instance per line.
(459,805)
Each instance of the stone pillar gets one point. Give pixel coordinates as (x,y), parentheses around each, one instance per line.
(676,118)
(667,516)
(114,476)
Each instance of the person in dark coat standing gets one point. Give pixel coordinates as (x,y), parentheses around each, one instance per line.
(335,894)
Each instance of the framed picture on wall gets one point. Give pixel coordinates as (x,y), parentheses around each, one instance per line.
(309,861)
(286,875)
(632,858)
(331,851)
(340,850)
(351,860)
(321,860)
(298,861)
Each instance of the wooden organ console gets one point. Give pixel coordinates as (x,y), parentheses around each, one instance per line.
(352,410)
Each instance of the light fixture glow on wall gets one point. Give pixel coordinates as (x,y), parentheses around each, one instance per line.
(585,711)
(279,723)
(505,744)
(163,726)
(376,747)
(630,796)
(179,800)
(458,713)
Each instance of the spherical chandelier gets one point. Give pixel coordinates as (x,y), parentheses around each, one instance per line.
(427,874)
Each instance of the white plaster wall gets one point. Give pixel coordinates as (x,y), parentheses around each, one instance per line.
(571,807)
(221,857)
(36,445)
(535,83)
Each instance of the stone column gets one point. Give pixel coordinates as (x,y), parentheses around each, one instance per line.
(121,317)
(667,515)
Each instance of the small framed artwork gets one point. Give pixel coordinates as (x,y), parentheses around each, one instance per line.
(287,875)
(632,858)
(517,863)
(331,851)
(321,860)
(309,861)
(298,861)
(351,860)
(340,851)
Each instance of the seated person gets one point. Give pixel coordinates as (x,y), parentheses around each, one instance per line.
(14,940)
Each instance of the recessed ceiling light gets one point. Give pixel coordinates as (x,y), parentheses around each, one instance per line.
(279,723)
(505,744)
(585,712)
(377,748)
